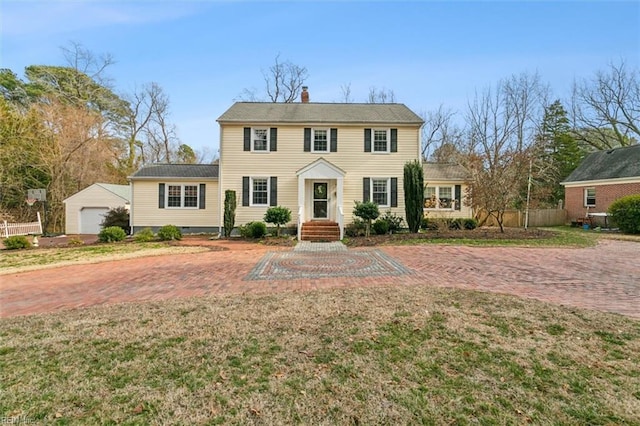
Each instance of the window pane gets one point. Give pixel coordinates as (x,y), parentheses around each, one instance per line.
(379,191)
(190,196)
(445,196)
(174,195)
(380,140)
(590,196)
(259,139)
(260,191)
(319,140)
(430,201)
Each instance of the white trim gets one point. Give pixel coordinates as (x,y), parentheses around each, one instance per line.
(615,181)
(251,203)
(437,196)
(313,140)
(388,180)
(182,196)
(373,140)
(585,197)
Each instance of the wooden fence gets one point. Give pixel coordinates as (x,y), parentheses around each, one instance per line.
(537,217)
(28,228)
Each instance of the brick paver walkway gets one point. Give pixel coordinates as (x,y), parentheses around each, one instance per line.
(606,277)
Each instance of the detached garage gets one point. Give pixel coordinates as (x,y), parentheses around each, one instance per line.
(84,211)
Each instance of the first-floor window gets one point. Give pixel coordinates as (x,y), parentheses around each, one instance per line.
(182,196)
(589,197)
(260,191)
(438,197)
(380,192)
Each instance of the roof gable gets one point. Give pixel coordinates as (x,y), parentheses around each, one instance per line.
(444,172)
(180,171)
(615,163)
(329,113)
(122,191)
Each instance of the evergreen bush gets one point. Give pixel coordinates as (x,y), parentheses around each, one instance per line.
(625,213)
(119,217)
(16,242)
(111,234)
(169,232)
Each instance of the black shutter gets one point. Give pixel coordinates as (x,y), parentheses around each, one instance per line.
(273,139)
(334,140)
(394,192)
(203,200)
(161,196)
(274,191)
(245,190)
(307,139)
(367,140)
(366,187)
(458,197)
(394,140)
(247,138)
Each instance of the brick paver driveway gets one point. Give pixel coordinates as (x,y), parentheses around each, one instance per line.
(606,277)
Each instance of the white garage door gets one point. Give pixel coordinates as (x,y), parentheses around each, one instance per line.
(90,219)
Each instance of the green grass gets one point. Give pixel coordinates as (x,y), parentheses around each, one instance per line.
(35,258)
(389,355)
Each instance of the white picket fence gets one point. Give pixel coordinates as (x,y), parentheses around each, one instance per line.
(29,228)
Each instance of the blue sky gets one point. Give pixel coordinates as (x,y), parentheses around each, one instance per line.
(204,53)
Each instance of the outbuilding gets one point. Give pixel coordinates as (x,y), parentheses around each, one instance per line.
(85,210)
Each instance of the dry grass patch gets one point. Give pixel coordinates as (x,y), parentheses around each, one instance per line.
(397,355)
(30,260)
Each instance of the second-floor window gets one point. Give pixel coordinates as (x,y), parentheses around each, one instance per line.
(260,139)
(320,140)
(380,140)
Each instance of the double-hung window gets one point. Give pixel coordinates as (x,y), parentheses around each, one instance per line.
(380,140)
(260,140)
(320,140)
(589,197)
(182,196)
(438,197)
(380,192)
(259,191)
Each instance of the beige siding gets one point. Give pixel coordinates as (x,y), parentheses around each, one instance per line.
(464,212)
(92,196)
(290,157)
(146,213)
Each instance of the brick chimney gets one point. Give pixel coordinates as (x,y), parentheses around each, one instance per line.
(304,96)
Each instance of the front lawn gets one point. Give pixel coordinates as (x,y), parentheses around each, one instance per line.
(388,355)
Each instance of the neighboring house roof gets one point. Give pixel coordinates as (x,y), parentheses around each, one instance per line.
(611,164)
(182,171)
(122,191)
(444,171)
(270,112)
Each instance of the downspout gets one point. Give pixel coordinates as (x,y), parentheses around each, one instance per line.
(220,203)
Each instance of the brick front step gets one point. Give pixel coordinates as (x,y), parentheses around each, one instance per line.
(320,231)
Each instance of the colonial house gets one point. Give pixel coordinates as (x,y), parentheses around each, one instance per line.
(445,190)
(600,179)
(317,159)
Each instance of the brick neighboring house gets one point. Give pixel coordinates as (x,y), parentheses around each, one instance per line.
(600,179)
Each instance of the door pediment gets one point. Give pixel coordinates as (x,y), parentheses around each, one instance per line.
(321,169)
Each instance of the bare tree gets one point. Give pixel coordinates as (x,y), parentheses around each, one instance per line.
(606,108)
(162,141)
(283,83)
(438,131)
(346,93)
(381,96)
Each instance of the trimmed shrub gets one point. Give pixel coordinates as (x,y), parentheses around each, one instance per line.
(144,236)
(117,217)
(394,221)
(253,230)
(169,232)
(229,211)
(278,216)
(381,227)
(356,228)
(366,211)
(16,242)
(625,213)
(111,234)
(469,223)
(413,194)
(425,223)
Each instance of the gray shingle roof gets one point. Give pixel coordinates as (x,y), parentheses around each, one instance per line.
(122,191)
(177,171)
(269,112)
(611,164)
(444,171)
